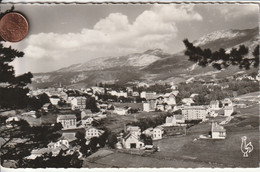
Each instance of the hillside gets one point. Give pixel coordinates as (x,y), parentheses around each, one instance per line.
(151,65)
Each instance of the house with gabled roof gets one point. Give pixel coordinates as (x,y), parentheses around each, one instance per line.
(157,133)
(148,131)
(134,130)
(86,120)
(131,141)
(187,101)
(174,120)
(227,102)
(93,132)
(217,131)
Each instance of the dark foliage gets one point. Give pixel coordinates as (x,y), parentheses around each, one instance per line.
(112,140)
(13,90)
(91,104)
(49,161)
(221,59)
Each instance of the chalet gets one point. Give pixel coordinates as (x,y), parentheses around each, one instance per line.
(227,102)
(86,120)
(148,132)
(217,131)
(131,141)
(194,113)
(58,93)
(187,101)
(67,121)
(228,110)
(78,103)
(93,132)
(169,98)
(70,136)
(174,120)
(214,105)
(61,143)
(121,111)
(157,133)
(86,112)
(174,130)
(134,130)
(54,100)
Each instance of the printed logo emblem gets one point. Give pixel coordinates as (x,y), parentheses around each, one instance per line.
(246,148)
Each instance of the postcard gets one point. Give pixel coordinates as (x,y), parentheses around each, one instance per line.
(129,85)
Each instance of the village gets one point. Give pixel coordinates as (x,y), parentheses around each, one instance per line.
(146,117)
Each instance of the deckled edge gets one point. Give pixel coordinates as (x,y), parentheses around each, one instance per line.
(137,2)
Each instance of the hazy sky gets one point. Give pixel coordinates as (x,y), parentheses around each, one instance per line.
(61,35)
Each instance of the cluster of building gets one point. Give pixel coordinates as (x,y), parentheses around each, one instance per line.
(70,126)
(130,139)
(159,102)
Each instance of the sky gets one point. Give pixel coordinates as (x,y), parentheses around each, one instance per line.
(62,35)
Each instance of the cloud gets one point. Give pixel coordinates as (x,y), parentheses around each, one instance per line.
(113,35)
(231,12)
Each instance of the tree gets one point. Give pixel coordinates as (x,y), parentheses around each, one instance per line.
(13,88)
(102,140)
(93,144)
(91,104)
(112,140)
(221,59)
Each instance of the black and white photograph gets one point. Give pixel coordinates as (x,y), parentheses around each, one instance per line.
(129,85)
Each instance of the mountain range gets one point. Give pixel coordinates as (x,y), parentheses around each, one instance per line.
(150,66)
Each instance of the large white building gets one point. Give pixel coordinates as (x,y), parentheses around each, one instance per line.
(194,112)
(78,103)
(67,121)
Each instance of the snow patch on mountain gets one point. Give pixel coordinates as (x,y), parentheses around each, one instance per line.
(223,34)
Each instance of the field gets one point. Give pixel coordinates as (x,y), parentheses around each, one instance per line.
(122,160)
(223,152)
(189,151)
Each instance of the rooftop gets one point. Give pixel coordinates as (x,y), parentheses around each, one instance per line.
(216,128)
(195,107)
(179,117)
(61,117)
